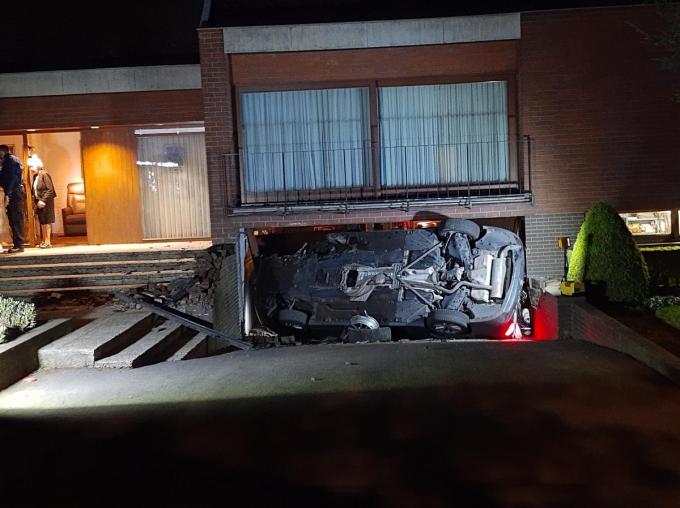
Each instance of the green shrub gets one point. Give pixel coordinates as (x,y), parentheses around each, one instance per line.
(605,251)
(15,314)
(670,315)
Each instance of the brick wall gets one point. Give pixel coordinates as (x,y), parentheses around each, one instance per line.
(108,109)
(591,96)
(219,130)
(544,259)
(599,111)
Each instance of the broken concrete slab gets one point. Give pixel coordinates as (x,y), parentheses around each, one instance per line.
(197,347)
(20,356)
(161,342)
(96,340)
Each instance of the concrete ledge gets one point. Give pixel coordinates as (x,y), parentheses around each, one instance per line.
(371,34)
(108,80)
(592,325)
(20,356)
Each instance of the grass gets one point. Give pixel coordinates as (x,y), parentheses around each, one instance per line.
(670,315)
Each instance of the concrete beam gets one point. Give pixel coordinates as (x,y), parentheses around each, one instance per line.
(109,80)
(371,34)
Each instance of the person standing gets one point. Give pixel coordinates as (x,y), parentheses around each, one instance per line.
(43,195)
(11,180)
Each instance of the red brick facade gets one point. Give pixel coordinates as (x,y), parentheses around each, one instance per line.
(598,110)
(590,95)
(106,109)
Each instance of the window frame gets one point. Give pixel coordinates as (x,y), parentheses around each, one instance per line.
(375,190)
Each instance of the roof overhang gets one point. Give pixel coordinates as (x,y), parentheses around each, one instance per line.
(371,34)
(108,80)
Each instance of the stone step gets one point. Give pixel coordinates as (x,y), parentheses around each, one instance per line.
(197,347)
(67,268)
(19,357)
(162,341)
(86,257)
(97,279)
(98,339)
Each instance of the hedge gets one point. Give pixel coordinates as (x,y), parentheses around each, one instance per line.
(605,251)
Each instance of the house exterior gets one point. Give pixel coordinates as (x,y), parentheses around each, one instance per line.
(132,135)
(521,119)
(532,116)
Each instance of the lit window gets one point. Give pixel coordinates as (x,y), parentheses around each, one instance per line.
(648,223)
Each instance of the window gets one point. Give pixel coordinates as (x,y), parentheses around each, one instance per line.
(307,145)
(305,140)
(648,223)
(173,183)
(452,133)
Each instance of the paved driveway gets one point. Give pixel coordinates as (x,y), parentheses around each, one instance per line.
(560,423)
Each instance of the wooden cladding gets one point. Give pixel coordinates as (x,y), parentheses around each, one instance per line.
(111,186)
(449,60)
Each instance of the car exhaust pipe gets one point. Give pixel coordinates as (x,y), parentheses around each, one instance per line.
(499,268)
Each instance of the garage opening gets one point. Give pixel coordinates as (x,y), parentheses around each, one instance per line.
(447,278)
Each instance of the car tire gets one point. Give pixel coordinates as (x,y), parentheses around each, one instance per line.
(447,323)
(291,318)
(467,227)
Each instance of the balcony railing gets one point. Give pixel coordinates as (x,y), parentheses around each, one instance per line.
(350,178)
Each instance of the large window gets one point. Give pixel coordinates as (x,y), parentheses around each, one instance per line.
(444,134)
(319,143)
(305,140)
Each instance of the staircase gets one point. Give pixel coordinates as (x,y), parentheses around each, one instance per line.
(99,271)
(125,340)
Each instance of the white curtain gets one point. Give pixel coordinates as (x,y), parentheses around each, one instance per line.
(308,139)
(444,134)
(173,184)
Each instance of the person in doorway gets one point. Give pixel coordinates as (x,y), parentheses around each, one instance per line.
(12,182)
(43,197)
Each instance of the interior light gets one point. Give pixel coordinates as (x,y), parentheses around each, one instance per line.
(169,130)
(31,130)
(94,127)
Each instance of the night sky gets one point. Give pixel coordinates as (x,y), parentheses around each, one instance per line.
(72,34)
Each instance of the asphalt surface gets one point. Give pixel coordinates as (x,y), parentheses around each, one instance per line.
(558,423)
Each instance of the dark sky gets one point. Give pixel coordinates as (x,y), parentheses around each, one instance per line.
(75,34)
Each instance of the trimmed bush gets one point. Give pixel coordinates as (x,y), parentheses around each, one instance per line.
(670,315)
(15,314)
(605,251)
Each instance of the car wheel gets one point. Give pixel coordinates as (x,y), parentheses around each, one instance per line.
(467,227)
(291,318)
(447,323)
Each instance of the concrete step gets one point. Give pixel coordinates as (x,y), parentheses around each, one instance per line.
(97,279)
(67,268)
(150,255)
(197,347)
(19,357)
(162,341)
(98,339)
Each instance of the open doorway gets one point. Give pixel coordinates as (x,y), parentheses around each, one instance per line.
(60,154)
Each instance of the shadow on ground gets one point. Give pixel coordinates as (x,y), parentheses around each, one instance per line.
(504,445)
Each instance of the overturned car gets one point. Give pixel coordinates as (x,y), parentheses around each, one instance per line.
(457,281)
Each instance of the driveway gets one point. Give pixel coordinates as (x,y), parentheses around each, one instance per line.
(559,423)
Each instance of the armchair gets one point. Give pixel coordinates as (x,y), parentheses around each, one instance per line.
(73,215)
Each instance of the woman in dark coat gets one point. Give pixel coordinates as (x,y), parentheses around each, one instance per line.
(43,195)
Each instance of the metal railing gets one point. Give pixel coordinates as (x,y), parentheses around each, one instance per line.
(350,178)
